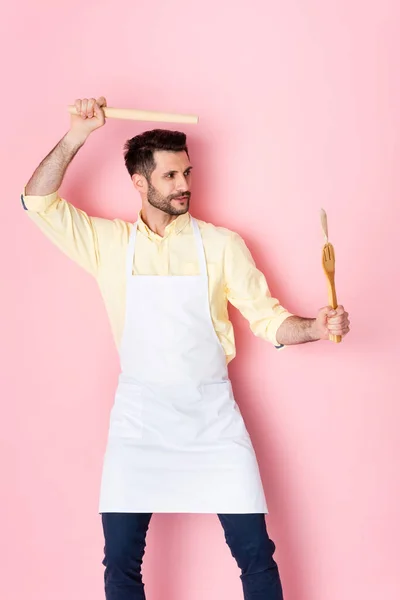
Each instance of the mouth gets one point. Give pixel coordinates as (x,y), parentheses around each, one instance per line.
(181,199)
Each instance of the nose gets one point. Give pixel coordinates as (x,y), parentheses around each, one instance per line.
(182,184)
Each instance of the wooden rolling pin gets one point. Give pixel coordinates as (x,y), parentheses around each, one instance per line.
(133,114)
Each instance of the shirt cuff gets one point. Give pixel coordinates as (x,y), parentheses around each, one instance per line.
(273,327)
(38,203)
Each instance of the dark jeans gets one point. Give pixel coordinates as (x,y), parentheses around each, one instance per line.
(245,534)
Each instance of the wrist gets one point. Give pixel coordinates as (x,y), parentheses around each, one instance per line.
(315,332)
(75,138)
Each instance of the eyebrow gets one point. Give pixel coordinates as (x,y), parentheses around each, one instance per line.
(172,171)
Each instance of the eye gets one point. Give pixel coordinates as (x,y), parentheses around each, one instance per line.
(187,173)
(169,175)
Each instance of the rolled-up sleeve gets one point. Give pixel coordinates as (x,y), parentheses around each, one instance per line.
(248,291)
(38,203)
(69,228)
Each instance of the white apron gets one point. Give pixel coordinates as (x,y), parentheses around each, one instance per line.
(177,441)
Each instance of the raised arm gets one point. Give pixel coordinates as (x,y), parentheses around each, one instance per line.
(49,175)
(78,235)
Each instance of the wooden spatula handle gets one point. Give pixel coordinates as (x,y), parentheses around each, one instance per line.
(143,115)
(333,303)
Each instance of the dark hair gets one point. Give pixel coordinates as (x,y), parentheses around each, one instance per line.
(139,151)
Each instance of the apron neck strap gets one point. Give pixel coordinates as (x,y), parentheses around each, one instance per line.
(199,246)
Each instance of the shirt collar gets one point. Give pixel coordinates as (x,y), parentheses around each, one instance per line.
(175,227)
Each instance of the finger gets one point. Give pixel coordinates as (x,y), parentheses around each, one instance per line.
(334,326)
(90,107)
(335,317)
(84,108)
(341,332)
(334,320)
(340,310)
(101,101)
(98,111)
(341,319)
(325,311)
(78,104)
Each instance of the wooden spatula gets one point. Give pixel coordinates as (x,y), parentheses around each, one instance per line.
(328,264)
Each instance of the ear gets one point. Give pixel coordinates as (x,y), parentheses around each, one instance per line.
(140,183)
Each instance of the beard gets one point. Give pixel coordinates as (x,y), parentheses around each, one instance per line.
(164,202)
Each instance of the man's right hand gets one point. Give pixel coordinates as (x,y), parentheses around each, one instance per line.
(49,175)
(90,116)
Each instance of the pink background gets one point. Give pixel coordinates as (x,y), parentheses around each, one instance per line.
(299,106)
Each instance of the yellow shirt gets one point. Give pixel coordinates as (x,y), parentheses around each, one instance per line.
(100,246)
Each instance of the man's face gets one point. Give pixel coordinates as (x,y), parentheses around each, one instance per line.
(170,182)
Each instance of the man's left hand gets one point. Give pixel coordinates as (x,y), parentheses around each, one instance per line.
(331,321)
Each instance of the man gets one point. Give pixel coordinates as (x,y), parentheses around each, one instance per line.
(177,441)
